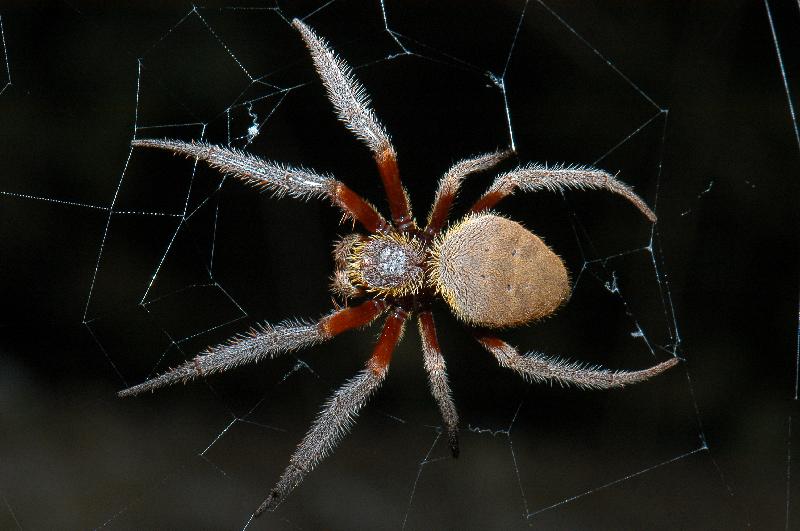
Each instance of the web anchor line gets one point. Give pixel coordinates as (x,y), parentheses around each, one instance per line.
(615,482)
(5,57)
(796,130)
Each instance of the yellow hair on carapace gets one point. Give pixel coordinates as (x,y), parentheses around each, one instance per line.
(390,264)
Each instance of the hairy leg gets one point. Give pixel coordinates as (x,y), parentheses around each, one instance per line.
(342,286)
(352,105)
(267,341)
(539,368)
(396,194)
(451,182)
(535,177)
(278,178)
(338,415)
(437,378)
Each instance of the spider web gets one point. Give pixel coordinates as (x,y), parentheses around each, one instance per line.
(186,259)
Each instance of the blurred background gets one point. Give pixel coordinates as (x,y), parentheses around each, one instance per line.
(118,264)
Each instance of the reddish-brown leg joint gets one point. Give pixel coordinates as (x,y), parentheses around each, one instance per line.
(489,341)
(398,200)
(487,201)
(355,206)
(392,330)
(349,318)
(428,330)
(439,215)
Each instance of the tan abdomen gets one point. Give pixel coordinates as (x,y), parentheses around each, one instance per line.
(493,272)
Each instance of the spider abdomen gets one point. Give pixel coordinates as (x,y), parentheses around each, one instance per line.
(494,272)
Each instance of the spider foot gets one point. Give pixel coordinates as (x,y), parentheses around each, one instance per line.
(452,439)
(272,501)
(290,479)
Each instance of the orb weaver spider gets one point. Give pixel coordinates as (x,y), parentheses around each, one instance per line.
(491,271)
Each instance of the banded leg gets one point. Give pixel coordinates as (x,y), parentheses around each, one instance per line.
(338,415)
(266,341)
(535,177)
(451,182)
(352,105)
(536,367)
(279,179)
(396,194)
(437,378)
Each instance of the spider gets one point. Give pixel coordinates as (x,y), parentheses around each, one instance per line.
(491,271)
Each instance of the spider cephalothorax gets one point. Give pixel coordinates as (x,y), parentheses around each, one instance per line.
(491,271)
(390,263)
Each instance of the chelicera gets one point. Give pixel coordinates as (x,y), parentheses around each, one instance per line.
(491,271)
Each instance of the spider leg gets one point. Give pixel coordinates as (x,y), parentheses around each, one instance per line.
(280,179)
(267,341)
(451,182)
(536,367)
(352,105)
(534,177)
(342,286)
(338,415)
(437,378)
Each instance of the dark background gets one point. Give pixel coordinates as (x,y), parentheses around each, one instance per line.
(707,138)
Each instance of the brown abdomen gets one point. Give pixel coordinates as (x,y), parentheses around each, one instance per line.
(493,272)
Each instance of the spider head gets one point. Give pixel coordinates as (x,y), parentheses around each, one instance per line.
(493,272)
(390,264)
